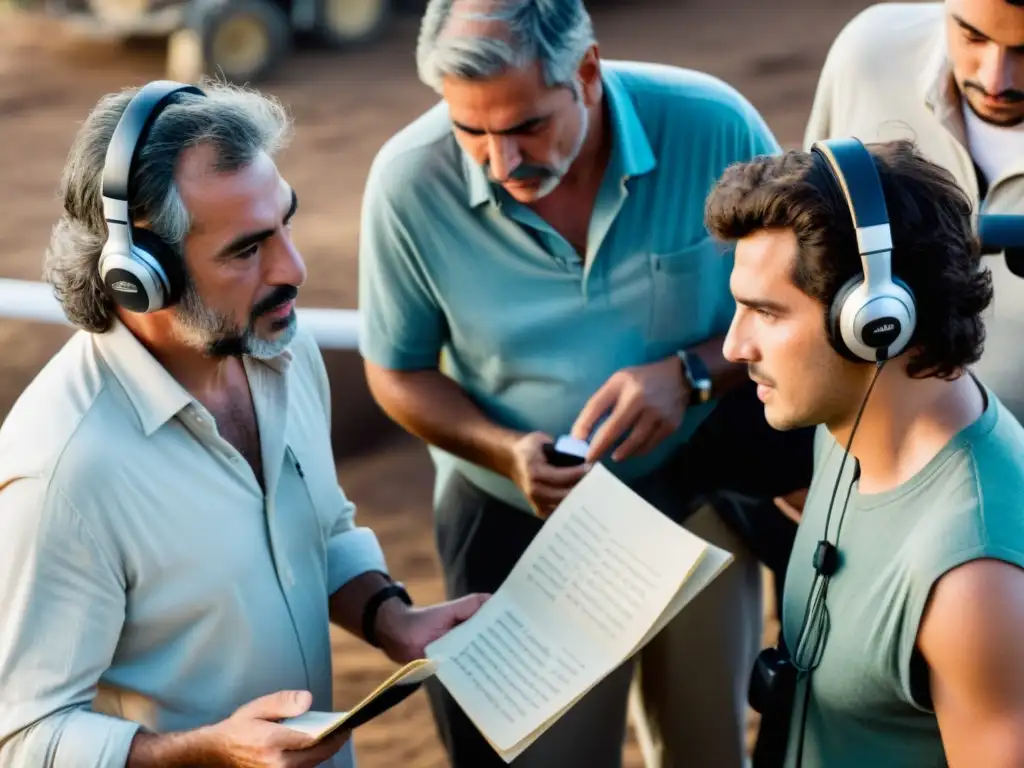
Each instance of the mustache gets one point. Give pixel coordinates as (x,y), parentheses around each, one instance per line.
(522,172)
(1010,95)
(274,299)
(756,375)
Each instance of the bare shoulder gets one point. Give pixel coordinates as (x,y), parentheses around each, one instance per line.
(976,612)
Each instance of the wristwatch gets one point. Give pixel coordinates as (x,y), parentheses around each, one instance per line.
(394,589)
(697,377)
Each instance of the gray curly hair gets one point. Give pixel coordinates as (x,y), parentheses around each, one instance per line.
(238,122)
(509,34)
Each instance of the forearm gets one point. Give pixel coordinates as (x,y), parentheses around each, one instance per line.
(186,749)
(347,604)
(435,409)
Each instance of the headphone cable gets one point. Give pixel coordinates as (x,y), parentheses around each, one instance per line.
(822,594)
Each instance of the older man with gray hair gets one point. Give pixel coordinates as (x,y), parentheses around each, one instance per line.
(173,540)
(534,263)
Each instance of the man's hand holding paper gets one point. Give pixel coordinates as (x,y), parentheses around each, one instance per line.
(405,632)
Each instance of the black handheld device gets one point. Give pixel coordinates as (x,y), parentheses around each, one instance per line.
(566,451)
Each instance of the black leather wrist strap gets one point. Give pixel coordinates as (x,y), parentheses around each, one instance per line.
(373,606)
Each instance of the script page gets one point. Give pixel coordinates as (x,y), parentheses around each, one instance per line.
(715,561)
(597,577)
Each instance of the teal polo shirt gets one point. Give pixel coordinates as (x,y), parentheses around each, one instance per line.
(452,267)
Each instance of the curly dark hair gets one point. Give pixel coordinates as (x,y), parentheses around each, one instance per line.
(935,250)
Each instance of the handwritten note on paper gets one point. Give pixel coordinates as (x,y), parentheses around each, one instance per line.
(597,577)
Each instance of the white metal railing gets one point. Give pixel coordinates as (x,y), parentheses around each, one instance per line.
(339,328)
(32,301)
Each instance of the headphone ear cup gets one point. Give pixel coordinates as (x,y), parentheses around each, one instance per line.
(138,281)
(834,315)
(165,262)
(889,317)
(130,282)
(908,324)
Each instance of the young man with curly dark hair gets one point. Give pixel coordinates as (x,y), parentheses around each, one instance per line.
(908,653)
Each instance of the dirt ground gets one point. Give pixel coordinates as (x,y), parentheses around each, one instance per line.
(345,106)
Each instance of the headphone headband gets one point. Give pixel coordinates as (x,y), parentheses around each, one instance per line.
(873,316)
(854,172)
(129,137)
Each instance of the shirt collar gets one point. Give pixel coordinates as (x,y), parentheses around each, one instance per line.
(938,87)
(154,393)
(631,149)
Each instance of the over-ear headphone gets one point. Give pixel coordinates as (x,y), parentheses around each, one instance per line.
(873,315)
(140,271)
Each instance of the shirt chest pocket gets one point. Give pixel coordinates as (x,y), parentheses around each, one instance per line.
(315,499)
(690,300)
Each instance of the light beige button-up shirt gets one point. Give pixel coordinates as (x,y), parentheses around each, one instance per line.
(888,76)
(145,577)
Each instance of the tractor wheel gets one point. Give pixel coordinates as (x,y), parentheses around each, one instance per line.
(351,23)
(240,41)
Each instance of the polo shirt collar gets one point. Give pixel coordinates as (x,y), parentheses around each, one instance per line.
(631,150)
(154,393)
(480,191)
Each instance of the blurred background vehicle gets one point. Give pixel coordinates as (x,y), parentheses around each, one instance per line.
(239,40)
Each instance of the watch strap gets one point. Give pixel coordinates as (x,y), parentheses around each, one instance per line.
(377,599)
(697,375)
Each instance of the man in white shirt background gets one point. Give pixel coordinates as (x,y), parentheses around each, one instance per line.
(950,76)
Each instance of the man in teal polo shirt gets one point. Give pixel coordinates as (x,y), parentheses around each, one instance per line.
(533,262)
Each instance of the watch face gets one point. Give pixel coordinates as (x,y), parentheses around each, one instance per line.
(701,392)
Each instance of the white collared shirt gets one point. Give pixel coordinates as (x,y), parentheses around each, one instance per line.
(145,577)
